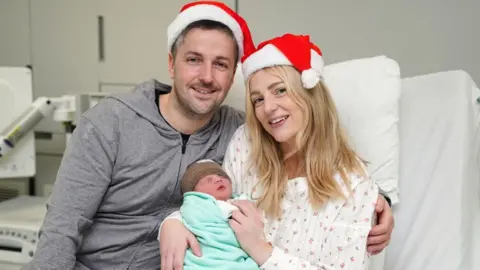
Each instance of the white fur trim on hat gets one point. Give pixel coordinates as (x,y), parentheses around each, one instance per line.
(270,56)
(267,56)
(203,12)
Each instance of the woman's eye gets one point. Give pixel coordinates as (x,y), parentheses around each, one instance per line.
(281,91)
(256,100)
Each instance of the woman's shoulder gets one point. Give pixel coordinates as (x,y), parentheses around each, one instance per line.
(241,134)
(239,142)
(353,180)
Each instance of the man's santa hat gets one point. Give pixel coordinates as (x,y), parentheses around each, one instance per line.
(291,50)
(213,11)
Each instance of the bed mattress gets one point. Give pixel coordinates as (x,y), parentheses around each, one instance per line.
(437,222)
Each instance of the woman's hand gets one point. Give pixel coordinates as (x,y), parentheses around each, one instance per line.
(248,227)
(174,241)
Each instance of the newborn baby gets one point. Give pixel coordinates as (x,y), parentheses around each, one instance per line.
(208,177)
(206,209)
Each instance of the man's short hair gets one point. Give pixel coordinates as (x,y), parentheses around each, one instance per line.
(205,25)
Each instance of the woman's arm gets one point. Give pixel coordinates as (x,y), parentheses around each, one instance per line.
(345,242)
(235,162)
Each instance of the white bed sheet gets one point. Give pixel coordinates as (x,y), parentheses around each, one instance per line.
(440,178)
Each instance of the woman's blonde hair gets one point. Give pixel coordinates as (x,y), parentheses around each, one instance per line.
(322,146)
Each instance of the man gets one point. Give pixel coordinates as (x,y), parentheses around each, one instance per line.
(119,176)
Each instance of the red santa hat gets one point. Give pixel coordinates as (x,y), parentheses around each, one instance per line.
(292,50)
(214,11)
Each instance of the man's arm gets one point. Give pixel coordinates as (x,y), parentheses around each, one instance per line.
(390,197)
(82,180)
(389,201)
(381,233)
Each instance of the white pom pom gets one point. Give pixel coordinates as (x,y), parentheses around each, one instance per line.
(310,78)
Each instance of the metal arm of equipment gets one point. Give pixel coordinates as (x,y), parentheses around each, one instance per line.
(65,109)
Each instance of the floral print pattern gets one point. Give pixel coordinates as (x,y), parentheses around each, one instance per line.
(332,237)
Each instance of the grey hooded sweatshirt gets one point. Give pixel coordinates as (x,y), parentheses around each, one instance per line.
(118,180)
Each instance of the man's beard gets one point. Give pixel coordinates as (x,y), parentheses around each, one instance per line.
(188,104)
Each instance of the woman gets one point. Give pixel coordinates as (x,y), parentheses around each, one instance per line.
(293,158)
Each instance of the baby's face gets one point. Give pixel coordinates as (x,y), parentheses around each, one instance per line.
(216,186)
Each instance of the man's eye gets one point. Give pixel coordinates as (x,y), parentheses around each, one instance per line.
(222,65)
(193,60)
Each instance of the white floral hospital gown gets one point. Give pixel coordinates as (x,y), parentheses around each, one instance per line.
(334,237)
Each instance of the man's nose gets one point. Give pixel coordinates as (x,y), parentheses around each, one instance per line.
(206,75)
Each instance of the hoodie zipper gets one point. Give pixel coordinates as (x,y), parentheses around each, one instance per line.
(184,144)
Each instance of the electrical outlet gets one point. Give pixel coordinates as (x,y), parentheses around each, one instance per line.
(47,190)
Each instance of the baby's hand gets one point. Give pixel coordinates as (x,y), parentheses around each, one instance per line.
(226,207)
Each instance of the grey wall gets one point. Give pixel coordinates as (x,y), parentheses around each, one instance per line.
(423,36)
(60,39)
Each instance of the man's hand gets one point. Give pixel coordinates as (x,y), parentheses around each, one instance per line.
(380,234)
(174,241)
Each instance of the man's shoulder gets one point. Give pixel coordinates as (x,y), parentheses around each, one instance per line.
(230,117)
(226,121)
(117,105)
(230,121)
(105,111)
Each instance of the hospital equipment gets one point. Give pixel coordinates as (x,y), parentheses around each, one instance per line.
(20,221)
(19,116)
(21,217)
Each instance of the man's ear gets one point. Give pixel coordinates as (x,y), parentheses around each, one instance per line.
(234,74)
(235,67)
(171,63)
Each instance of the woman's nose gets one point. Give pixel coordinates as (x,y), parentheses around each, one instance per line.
(269,105)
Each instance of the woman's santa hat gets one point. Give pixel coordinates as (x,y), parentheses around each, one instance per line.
(291,50)
(213,11)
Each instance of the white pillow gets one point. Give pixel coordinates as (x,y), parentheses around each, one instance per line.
(366,92)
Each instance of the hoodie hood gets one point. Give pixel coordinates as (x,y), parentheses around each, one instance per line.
(142,101)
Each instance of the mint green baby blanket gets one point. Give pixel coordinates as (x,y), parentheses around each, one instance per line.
(207,219)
